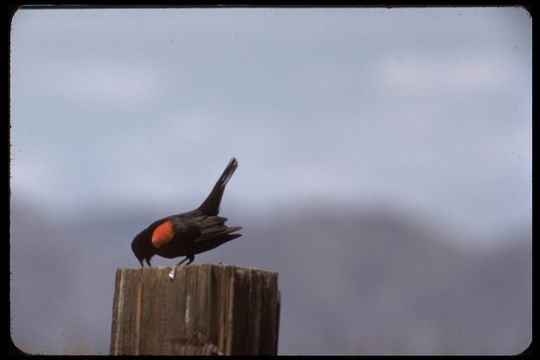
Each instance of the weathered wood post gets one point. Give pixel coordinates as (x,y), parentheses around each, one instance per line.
(207,309)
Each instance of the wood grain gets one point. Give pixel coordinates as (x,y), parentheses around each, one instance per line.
(206,310)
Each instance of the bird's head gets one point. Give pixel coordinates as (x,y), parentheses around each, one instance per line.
(142,247)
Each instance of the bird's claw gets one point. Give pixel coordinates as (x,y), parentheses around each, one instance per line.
(173,271)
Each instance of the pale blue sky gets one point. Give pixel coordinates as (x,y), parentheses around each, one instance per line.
(428,110)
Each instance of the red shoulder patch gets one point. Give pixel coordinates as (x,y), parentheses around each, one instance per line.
(162,234)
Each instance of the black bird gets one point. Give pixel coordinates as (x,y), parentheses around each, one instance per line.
(188,233)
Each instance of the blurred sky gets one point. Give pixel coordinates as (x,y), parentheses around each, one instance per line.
(430,108)
(426,109)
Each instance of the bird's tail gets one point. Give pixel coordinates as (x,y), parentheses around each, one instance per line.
(210,206)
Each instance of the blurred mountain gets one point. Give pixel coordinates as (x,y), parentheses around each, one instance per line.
(352,281)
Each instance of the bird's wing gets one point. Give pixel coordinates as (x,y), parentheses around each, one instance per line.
(213,227)
(175,230)
(186,230)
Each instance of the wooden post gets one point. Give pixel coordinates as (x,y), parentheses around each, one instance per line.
(206,310)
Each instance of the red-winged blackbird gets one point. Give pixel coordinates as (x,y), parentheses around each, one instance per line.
(189,233)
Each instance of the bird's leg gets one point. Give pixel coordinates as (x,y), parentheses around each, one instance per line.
(173,271)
